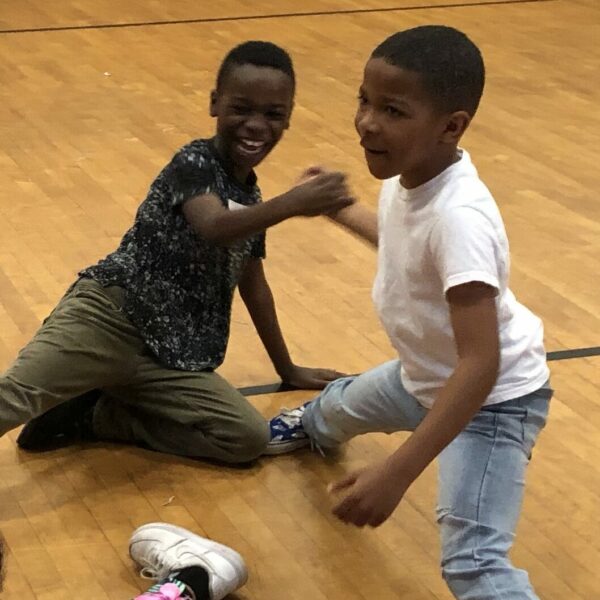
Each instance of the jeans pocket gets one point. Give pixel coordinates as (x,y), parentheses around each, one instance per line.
(112,297)
(505,420)
(116,295)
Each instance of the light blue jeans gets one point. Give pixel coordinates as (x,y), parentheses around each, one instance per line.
(481,472)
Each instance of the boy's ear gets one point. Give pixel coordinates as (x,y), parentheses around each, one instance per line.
(213,103)
(456,125)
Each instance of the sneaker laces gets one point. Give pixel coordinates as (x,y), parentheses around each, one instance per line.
(315,446)
(148,573)
(155,566)
(291,417)
(157,570)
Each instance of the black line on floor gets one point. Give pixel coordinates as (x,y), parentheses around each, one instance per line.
(322,13)
(269,388)
(273,388)
(576,353)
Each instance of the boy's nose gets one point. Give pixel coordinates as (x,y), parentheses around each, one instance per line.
(256,124)
(366,123)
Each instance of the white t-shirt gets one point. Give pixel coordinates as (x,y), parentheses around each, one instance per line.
(441,234)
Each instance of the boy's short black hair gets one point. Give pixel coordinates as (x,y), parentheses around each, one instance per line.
(449,63)
(260,54)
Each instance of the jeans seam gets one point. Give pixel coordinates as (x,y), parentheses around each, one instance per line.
(490,582)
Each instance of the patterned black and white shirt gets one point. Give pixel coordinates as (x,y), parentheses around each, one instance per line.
(179,287)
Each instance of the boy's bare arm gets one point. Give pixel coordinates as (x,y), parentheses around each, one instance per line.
(475,326)
(257,296)
(373,494)
(215,223)
(359,220)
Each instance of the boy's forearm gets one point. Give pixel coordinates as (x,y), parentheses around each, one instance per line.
(233,225)
(321,194)
(218,225)
(359,220)
(457,403)
(261,307)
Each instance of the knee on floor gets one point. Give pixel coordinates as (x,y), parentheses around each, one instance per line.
(246,443)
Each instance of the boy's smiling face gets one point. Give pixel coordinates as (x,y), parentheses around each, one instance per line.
(253,109)
(401,130)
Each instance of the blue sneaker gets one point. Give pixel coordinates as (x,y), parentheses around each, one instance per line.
(287,433)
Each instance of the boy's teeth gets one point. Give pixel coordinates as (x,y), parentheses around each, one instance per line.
(252,143)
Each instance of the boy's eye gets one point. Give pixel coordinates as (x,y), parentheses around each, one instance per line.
(238,109)
(275,115)
(394,112)
(362,99)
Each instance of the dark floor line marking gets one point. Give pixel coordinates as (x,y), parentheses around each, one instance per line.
(273,388)
(322,13)
(269,388)
(576,353)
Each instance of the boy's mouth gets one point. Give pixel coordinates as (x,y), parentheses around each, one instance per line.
(375,153)
(372,151)
(249,147)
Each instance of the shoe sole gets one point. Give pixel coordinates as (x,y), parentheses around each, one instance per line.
(235,558)
(274,449)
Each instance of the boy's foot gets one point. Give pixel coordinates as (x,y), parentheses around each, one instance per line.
(66,423)
(162,549)
(287,432)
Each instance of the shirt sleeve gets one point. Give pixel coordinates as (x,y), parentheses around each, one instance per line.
(465,248)
(189,174)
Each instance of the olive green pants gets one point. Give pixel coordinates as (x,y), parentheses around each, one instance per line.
(88,343)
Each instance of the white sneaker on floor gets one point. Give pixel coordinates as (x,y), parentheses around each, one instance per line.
(161,549)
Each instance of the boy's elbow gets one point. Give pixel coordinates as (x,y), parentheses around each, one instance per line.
(215,237)
(207,222)
(484,367)
(213,233)
(489,367)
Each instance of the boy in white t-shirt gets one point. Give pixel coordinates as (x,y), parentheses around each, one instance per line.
(471,381)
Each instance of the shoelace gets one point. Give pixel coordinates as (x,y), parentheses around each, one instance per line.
(291,417)
(155,566)
(155,569)
(314,446)
(148,573)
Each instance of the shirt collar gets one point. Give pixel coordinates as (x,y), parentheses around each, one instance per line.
(228,168)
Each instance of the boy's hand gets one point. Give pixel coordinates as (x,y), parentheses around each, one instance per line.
(310,379)
(372,494)
(319,193)
(309,173)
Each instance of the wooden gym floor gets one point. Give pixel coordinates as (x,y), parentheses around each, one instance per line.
(89,113)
